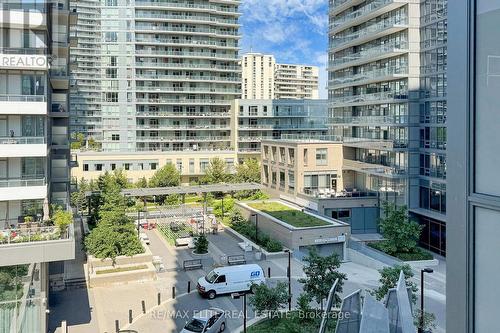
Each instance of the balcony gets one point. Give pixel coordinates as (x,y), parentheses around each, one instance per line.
(369,121)
(369,55)
(374,98)
(374,169)
(185,54)
(158,17)
(23,147)
(36,244)
(374,143)
(365,13)
(182,139)
(22,189)
(185,101)
(23,104)
(378,75)
(371,32)
(189,90)
(338,6)
(172,65)
(186,6)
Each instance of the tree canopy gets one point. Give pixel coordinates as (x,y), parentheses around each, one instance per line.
(168,176)
(401,233)
(321,273)
(248,171)
(216,172)
(269,299)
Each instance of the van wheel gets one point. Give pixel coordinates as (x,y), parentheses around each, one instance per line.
(211,294)
(222,327)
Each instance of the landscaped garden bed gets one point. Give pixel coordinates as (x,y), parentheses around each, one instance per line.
(239,224)
(171,235)
(292,322)
(417,254)
(121,269)
(291,216)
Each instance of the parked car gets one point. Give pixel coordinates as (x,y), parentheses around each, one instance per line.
(210,320)
(230,279)
(144,238)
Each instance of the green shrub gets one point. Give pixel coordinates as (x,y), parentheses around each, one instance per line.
(201,245)
(273,246)
(111,240)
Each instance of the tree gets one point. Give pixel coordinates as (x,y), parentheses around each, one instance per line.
(400,232)
(321,273)
(228,207)
(112,240)
(168,176)
(77,140)
(248,171)
(201,244)
(269,299)
(389,277)
(216,172)
(141,183)
(62,219)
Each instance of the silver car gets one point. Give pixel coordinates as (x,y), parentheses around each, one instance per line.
(210,320)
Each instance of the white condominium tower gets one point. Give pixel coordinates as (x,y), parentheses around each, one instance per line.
(373,87)
(156,74)
(296,82)
(263,78)
(257,76)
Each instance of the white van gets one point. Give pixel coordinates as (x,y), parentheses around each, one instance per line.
(230,279)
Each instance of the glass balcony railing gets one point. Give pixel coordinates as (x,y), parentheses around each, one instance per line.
(190,42)
(369,30)
(188,54)
(183,138)
(185,5)
(203,18)
(182,101)
(370,75)
(185,65)
(384,49)
(180,29)
(379,96)
(182,114)
(22,182)
(21,140)
(189,90)
(23,98)
(369,120)
(25,233)
(359,12)
(24,50)
(182,78)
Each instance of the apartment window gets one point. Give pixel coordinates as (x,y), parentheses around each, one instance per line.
(110,36)
(179,165)
(113,166)
(126,166)
(85,167)
(112,97)
(321,156)
(305,153)
(191,165)
(291,155)
(253,111)
(204,162)
(111,73)
(153,166)
(98,167)
(282,179)
(115,137)
(291,180)
(342,215)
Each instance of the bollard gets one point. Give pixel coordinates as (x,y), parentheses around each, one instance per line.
(159,298)
(117,326)
(269,272)
(143,306)
(173,292)
(130,316)
(189,287)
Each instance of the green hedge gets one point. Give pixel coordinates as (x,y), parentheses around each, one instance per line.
(242,226)
(418,254)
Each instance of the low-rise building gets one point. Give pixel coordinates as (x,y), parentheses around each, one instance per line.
(136,165)
(311,173)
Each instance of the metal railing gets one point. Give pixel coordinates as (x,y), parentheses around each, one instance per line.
(29,234)
(183,138)
(369,75)
(24,50)
(22,182)
(360,12)
(183,101)
(22,98)
(185,5)
(368,53)
(187,54)
(383,95)
(327,193)
(23,140)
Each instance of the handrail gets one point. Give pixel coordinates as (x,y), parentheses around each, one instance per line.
(22,98)
(22,182)
(22,140)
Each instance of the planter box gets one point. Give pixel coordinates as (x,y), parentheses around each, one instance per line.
(140,275)
(143,258)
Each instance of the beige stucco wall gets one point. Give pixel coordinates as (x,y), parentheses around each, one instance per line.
(301,150)
(161,159)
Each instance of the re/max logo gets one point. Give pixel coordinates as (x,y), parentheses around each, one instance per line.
(255,274)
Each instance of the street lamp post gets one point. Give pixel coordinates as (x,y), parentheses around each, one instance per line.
(236,296)
(421,325)
(138,223)
(256,228)
(289,274)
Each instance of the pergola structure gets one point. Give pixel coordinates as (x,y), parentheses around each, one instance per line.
(183,190)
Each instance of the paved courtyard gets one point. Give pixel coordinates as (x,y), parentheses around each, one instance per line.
(99,308)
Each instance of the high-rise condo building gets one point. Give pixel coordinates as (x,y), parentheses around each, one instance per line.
(257,76)
(161,76)
(296,81)
(263,78)
(473,185)
(374,68)
(387,91)
(428,190)
(34,155)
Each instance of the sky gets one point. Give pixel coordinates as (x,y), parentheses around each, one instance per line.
(294,31)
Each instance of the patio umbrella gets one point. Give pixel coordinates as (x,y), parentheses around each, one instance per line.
(46,215)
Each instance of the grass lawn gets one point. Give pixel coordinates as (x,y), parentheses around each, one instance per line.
(419,254)
(288,215)
(121,269)
(293,323)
